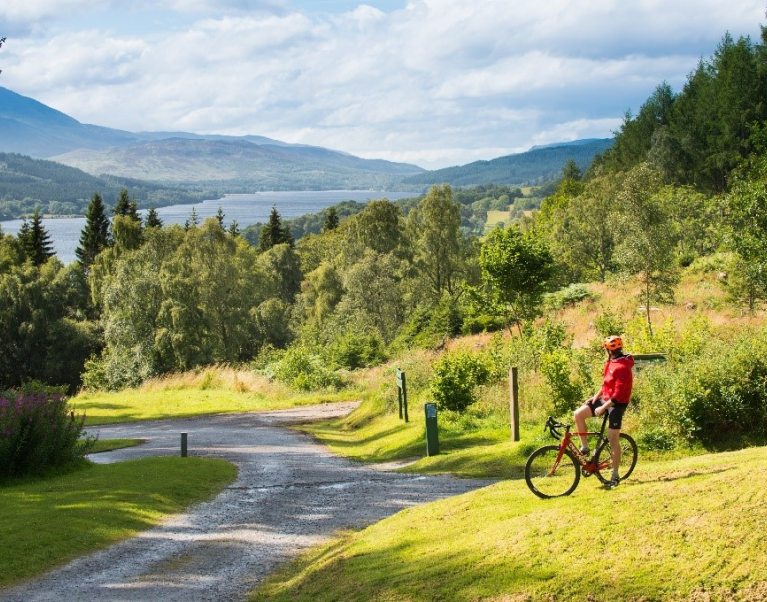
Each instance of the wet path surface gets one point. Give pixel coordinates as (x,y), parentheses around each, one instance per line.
(291,493)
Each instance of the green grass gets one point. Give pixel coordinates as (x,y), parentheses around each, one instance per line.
(496,217)
(689,529)
(104,445)
(48,521)
(131,405)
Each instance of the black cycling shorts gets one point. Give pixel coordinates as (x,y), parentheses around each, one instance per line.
(614,414)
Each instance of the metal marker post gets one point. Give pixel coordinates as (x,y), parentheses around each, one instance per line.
(432,431)
(183,445)
(402,395)
(514,402)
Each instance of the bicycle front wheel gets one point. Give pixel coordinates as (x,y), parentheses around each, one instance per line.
(548,477)
(628,459)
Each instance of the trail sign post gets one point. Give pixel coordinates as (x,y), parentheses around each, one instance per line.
(514,402)
(432,430)
(402,394)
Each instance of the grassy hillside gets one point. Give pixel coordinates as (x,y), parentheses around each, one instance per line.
(690,529)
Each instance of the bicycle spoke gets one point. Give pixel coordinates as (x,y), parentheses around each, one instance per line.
(546,477)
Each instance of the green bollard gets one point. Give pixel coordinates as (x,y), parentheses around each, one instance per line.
(432,431)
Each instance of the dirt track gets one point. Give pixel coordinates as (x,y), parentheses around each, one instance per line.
(291,493)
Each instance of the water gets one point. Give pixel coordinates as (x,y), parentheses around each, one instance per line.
(247,209)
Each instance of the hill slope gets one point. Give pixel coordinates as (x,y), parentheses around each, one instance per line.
(535,166)
(689,529)
(263,166)
(26,183)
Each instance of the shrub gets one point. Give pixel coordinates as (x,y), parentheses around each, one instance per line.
(456,377)
(566,391)
(305,371)
(37,431)
(570,295)
(354,350)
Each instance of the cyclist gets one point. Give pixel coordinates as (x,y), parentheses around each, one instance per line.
(612,398)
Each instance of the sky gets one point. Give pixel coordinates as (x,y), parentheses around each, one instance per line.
(430,82)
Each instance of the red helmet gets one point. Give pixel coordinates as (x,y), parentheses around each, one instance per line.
(612,343)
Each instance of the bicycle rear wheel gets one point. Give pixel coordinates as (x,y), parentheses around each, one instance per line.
(628,459)
(548,478)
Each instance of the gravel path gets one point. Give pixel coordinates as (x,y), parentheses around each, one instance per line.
(291,493)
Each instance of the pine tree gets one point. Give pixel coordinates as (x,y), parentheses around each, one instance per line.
(194,221)
(152,219)
(331,220)
(274,232)
(126,206)
(234,228)
(95,235)
(35,240)
(220,216)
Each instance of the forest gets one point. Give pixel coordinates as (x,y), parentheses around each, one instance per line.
(683,188)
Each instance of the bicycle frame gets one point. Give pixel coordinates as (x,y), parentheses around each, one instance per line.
(588,465)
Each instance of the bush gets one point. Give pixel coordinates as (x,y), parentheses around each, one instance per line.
(354,350)
(305,371)
(570,295)
(566,390)
(456,376)
(38,431)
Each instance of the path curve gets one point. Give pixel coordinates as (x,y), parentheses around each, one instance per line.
(291,493)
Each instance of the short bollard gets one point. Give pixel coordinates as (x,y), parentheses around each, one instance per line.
(432,434)
(183,445)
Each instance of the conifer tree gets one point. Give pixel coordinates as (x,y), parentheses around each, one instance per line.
(274,232)
(331,220)
(220,216)
(126,206)
(35,240)
(95,235)
(234,228)
(152,219)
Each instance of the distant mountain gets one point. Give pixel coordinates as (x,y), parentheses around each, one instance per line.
(240,163)
(539,164)
(255,162)
(26,184)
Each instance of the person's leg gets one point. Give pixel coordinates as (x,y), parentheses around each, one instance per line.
(613,435)
(581,415)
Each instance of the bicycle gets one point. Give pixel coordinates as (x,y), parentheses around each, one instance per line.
(555,470)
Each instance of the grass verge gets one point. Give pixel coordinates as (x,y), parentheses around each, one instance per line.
(210,391)
(105,445)
(689,529)
(49,521)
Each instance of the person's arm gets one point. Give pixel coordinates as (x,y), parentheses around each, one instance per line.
(603,408)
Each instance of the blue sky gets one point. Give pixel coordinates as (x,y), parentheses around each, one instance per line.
(432,82)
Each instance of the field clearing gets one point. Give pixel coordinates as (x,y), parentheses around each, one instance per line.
(214,390)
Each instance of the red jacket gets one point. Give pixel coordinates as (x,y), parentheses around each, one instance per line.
(618,379)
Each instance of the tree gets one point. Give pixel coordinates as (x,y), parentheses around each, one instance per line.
(274,232)
(436,223)
(126,206)
(35,240)
(583,232)
(220,216)
(331,220)
(747,228)
(516,269)
(647,243)
(95,234)
(571,171)
(153,219)
(377,227)
(234,229)
(2,41)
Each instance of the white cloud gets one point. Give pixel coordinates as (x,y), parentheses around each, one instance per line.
(438,82)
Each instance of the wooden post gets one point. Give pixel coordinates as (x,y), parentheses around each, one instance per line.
(404,396)
(183,445)
(514,402)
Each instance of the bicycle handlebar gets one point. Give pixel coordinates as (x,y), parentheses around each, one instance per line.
(553,427)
